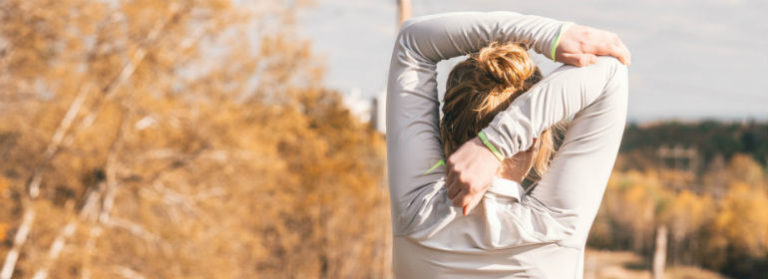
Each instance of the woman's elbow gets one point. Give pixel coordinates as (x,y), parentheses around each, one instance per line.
(618,76)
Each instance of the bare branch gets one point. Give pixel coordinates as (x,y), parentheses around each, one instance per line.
(18,241)
(56,247)
(129,68)
(128,272)
(135,229)
(58,137)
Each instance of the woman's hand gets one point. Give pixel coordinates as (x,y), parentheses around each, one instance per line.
(465,188)
(470,172)
(580,45)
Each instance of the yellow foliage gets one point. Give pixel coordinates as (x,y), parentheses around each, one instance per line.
(687,212)
(743,219)
(725,220)
(745,169)
(196,153)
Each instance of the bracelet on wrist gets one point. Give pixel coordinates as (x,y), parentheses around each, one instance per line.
(490,146)
(563,27)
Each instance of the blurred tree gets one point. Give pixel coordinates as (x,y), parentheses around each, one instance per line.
(4,201)
(635,204)
(745,169)
(740,231)
(687,214)
(180,139)
(726,232)
(710,138)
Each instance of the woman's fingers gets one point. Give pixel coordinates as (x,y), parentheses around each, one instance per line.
(458,200)
(625,55)
(580,45)
(451,177)
(580,59)
(471,205)
(452,191)
(453,185)
(470,169)
(617,49)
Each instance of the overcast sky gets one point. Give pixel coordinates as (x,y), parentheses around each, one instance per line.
(691,59)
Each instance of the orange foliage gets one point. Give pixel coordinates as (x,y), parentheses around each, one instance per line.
(743,219)
(195,153)
(705,228)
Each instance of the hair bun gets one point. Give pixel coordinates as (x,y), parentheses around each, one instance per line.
(480,87)
(508,65)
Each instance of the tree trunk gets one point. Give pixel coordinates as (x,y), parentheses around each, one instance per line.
(58,137)
(660,252)
(21,236)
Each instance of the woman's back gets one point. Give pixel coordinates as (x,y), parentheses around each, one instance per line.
(481,245)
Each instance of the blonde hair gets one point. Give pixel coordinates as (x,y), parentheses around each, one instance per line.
(482,86)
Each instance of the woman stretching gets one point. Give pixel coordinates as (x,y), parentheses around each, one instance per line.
(497,113)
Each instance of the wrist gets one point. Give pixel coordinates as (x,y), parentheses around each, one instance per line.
(563,28)
(490,146)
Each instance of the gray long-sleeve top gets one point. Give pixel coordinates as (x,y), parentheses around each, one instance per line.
(540,234)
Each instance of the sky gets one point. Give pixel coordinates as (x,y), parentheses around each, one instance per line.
(691,59)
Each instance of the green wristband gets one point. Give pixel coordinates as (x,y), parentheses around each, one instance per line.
(557,39)
(438,164)
(490,146)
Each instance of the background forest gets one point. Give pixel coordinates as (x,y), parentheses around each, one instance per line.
(700,188)
(195,139)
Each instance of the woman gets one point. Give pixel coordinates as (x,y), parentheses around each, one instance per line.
(541,233)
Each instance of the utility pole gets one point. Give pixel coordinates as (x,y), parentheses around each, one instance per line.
(403,11)
(379,101)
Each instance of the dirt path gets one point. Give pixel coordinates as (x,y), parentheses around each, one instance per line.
(602,264)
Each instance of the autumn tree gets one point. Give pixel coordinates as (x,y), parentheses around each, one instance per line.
(718,222)
(179,139)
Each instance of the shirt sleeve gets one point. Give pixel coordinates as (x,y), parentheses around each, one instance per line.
(596,97)
(413,137)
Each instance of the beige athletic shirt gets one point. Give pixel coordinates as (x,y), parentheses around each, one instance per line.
(539,234)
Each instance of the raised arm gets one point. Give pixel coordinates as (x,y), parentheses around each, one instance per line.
(443,36)
(413,138)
